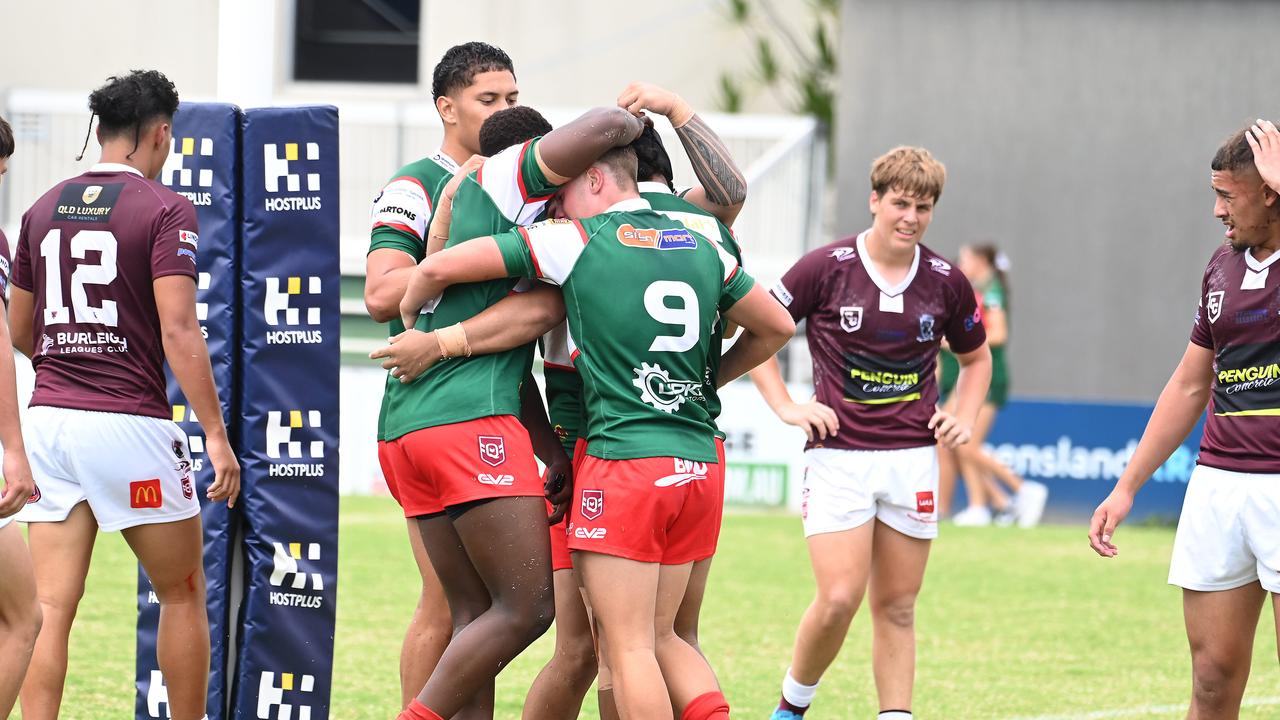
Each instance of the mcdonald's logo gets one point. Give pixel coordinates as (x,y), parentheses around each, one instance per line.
(145,494)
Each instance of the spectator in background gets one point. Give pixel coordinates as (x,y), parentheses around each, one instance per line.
(987,267)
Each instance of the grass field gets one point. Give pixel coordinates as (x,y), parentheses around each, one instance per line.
(1011,624)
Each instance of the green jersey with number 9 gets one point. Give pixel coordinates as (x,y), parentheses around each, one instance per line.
(642,293)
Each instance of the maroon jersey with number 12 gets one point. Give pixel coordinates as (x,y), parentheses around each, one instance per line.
(88,253)
(875,346)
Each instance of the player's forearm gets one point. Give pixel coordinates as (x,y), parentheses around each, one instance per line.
(188,358)
(423,285)
(570,149)
(10,427)
(748,352)
(972,385)
(721,179)
(382,294)
(438,232)
(533,415)
(515,320)
(1175,414)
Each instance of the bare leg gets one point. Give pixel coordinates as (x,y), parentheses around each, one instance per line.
(897,572)
(19,615)
(60,555)
(947,471)
(684,669)
(1220,630)
(975,466)
(841,565)
(686,623)
(430,628)
(558,690)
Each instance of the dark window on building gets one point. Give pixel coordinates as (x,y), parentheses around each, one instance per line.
(357,40)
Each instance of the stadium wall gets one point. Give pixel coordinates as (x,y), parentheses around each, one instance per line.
(1077,135)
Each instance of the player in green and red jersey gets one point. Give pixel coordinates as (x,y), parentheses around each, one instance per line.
(649,438)
(454,432)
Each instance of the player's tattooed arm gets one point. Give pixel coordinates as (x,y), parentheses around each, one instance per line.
(18,484)
(1180,406)
(723,188)
(188,358)
(567,151)
(515,320)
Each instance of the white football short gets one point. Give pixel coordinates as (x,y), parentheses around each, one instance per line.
(1229,531)
(845,488)
(132,470)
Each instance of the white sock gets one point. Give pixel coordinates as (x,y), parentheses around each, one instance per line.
(798,695)
(894,715)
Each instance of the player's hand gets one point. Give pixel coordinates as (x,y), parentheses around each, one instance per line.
(1264,139)
(226,472)
(1109,514)
(640,96)
(409,354)
(818,421)
(471,165)
(558,487)
(948,430)
(18,484)
(409,315)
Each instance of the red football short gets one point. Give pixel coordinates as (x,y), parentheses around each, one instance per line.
(447,465)
(560,559)
(662,509)
(395,463)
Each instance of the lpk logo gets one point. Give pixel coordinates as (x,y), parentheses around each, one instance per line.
(276,168)
(280,434)
(157,695)
(271,700)
(282,306)
(188,171)
(289,569)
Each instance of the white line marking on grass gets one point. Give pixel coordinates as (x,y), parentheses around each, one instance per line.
(1144,710)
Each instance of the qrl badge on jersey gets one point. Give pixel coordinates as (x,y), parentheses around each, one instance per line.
(1213,303)
(592,504)
(492,450)
(850,318)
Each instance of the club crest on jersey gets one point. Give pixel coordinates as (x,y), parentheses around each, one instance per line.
(850,318)
(592,504)
(492,450)
(659,390)
(926,328)
(842,254)
(940,266)
(91,194)
(668,239)
(1213,304)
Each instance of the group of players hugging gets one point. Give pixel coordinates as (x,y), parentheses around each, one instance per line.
(514,234)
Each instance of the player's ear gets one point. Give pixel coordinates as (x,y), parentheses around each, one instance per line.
(448,113)
(1269,196)
(873,202)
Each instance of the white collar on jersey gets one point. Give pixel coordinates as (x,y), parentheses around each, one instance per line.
(874,272)
(115,167)
(1257,266)
(443,160)
(629,205)
(654,187)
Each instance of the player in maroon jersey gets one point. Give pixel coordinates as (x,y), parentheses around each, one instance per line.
(19,609)
(103,294)
(1226,555)
(878,307)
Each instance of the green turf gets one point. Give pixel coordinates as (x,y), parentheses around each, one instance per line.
(1012,624)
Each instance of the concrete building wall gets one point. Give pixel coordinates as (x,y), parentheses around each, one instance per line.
(1078,136)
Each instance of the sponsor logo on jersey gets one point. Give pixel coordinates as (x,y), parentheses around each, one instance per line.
(924,502)
(493,450)
(285,433)
(940,266)
(284,304)
(668,239)
(926,328)
(659,390)
(79,202)
(145,494)
(271,696)
(190,238)
(188,491)
(842,254)
(685,472)
(188,169)
(592,504)
(277,163)
(781,292)
(850,318)
(95,343)
(35,495)
(1248,378)
(1213,303)
(488,479)
(1250,317)
(293,567)
(973,320)
(590,533)
(157,695)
